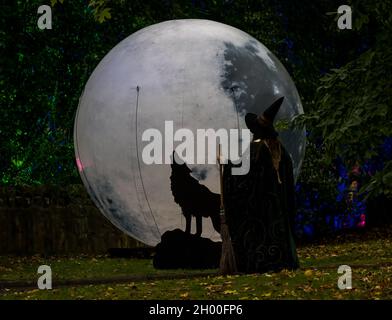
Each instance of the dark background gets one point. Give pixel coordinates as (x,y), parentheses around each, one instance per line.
(343,77)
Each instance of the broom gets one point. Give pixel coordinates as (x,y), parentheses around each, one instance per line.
(227,261)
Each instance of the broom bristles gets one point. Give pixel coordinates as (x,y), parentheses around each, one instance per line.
(227,261)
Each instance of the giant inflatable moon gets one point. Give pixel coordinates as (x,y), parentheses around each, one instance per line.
(196,73)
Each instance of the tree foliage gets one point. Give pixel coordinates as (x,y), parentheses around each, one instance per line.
(352,113)
(44,72)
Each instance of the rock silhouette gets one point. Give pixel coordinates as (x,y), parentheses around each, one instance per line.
(179,249)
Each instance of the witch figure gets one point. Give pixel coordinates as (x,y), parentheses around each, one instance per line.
(260,206)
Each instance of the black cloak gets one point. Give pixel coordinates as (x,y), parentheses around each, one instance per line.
(260,212)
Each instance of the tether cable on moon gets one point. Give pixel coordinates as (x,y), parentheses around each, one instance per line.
(138,162)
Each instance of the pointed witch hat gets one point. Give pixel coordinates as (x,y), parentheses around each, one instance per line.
(262,125)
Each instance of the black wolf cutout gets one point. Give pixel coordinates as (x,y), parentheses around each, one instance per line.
(194,198)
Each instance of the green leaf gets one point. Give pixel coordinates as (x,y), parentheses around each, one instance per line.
(104,15)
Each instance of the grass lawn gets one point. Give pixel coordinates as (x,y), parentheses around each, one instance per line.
(369,255)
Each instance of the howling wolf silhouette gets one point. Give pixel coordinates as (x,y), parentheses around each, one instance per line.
(194,198)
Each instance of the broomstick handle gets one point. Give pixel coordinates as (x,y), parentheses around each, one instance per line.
(220,176)
(222,208)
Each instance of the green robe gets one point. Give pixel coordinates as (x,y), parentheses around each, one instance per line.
(260,213)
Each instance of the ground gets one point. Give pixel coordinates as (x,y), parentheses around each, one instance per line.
(100,277)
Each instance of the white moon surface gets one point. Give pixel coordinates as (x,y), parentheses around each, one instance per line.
(196,73)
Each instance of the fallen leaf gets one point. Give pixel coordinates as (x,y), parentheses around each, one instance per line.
(308,273)
(230,292)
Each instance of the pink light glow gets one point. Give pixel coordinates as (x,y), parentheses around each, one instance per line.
(362,223)
(79,164)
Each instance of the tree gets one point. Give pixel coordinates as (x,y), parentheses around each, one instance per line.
(352,113)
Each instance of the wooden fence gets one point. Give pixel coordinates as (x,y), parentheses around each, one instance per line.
(55,220)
